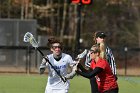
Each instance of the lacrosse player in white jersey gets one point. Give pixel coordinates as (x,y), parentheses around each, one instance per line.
(60,62)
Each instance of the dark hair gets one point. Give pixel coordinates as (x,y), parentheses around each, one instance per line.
(52,41)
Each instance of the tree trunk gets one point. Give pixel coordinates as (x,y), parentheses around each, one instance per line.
(63,21)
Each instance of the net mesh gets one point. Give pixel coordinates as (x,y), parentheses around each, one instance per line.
(28,37)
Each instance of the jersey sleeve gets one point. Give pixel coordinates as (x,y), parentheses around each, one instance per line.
(44,61)
(73,66)
(111,60)
(71,61)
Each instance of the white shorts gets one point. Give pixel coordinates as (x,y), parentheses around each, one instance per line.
(50,90)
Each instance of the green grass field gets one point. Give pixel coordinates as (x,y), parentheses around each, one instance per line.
(37,83)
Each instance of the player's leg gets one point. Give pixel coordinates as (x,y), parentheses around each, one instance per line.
(94,86)
(60,91)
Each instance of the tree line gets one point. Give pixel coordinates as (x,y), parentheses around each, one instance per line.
(120,19)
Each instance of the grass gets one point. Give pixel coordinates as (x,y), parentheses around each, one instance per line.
(129,84)
(37,83)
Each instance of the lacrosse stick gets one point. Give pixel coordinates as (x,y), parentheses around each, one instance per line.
(83,54)
(28,37)
(80,56)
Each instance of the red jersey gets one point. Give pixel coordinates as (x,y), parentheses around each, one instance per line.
(105,79)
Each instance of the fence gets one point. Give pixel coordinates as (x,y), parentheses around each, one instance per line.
(127,61)
(24,59)
(11,38)
(18,57)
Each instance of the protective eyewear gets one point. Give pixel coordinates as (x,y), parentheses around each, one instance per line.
(92,51)
(54,47)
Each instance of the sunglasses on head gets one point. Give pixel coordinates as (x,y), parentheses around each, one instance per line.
(54,47)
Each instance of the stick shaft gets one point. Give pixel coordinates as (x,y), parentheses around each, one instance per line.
(50,63)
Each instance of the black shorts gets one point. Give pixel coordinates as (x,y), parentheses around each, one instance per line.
(116,90)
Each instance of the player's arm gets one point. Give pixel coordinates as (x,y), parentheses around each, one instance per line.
(90,74)
(80,67)
(72,65)
(76,66)
(71,74)
(43,65)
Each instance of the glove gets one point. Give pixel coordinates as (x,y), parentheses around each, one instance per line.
(42,68)
(41,71)
(82,54)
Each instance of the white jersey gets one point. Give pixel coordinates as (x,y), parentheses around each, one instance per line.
(54,81)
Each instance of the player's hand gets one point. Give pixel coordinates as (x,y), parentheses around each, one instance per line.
(75,67)
(42,68)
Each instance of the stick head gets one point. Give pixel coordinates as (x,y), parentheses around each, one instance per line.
(83,54)
(28,37)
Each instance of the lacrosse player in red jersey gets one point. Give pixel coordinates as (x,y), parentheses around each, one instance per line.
(60,62)
(100,69)
(106,52)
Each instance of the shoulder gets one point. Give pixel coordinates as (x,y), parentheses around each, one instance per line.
(107,47)
(50,55)
(108,50)
(67,58)
(102,61)
(65,55)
